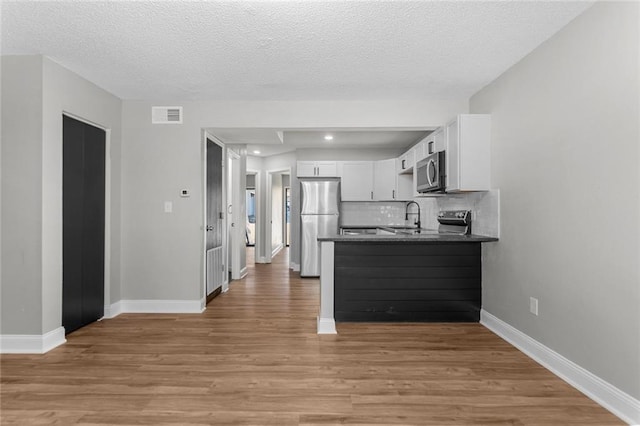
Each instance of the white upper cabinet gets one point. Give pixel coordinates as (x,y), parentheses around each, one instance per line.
(356,180)
(406,161)
(317,169)
(306,168)
(468,153)
(384,180)
(438,138)
(420,150)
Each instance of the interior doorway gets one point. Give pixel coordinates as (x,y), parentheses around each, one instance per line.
(235,216)
(287,216)
(251,203)
(83,223)
(277,211)
(214,220)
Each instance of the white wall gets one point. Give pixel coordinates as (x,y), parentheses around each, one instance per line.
(362,154)
(565,156)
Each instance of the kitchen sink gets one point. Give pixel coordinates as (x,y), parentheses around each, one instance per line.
(392,230)
(358,231)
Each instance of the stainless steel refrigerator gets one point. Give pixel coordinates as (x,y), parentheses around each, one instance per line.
(319,214)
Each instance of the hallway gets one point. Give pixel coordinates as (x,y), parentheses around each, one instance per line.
(253,357)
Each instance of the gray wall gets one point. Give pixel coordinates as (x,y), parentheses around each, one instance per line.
(161,253)
(565,140)
(36,92)
(67,92)
(21,195)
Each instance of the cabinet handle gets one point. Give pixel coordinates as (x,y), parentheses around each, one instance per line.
(372,195)
(315,171)
(393,194)
(403,167)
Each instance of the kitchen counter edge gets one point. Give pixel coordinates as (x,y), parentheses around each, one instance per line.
(448,238)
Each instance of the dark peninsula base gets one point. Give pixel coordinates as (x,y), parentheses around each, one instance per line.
(421,281)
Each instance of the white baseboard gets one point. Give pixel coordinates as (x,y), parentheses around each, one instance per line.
(155,307)
(244,272)
(276,250)
(294,266)
(613,399)
(113,310)
(326,326)
(31,343)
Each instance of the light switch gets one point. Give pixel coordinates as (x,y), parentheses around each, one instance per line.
(168,207)
(184,193)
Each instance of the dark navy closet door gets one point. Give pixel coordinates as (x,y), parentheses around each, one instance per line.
(83,218)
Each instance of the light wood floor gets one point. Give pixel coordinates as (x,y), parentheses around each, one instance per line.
(254,358)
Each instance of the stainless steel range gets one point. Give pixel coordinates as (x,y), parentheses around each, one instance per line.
(455,221)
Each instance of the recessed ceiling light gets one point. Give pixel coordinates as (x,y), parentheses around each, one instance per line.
(328,138)
(256,152)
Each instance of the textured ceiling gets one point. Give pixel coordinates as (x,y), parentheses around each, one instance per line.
(292,50)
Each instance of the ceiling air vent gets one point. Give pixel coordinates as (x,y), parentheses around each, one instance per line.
(166,115)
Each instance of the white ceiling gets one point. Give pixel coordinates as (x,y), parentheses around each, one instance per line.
(285,50)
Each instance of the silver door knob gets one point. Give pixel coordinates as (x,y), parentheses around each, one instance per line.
(209,228)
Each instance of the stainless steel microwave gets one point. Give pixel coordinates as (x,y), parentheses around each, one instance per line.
(431,173)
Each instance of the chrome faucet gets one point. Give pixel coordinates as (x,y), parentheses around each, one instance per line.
(406,213)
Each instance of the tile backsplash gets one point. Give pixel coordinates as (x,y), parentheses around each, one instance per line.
(372,213)
(485,207)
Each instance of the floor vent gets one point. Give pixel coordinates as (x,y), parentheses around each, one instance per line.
(166,115)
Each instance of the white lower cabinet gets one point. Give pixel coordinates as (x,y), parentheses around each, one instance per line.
(356,180)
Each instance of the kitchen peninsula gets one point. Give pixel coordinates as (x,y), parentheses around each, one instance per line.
(419,277)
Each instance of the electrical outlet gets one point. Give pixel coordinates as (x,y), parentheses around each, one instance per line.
(533,305)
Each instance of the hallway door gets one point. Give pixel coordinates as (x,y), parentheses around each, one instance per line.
(215,255)
(83,223)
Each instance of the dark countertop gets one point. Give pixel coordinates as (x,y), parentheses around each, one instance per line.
(406,238)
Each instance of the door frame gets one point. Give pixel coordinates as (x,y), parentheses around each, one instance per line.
(286,190)
(268,250)
(108,311)
(203,248)
(257,247)
(234,232)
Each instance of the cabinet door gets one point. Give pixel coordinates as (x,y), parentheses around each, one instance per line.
(326,168)
(384,180)
(420,151)
(474,150)
(306,169)
(438,138)
(468,154)
(405,163)
(406,189)
(357,180)
(452,156)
